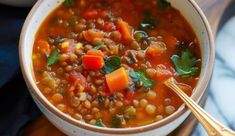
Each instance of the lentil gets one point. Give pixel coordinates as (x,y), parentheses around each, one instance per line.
(151,95)
(57,97)
(150,109)
(169,109)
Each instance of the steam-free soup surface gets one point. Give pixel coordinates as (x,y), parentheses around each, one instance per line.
(104,61)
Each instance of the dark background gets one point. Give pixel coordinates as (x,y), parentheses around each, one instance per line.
(16,105)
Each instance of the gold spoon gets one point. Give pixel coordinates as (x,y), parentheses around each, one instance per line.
(212,126)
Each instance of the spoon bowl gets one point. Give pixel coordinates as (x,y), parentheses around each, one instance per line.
(211,125)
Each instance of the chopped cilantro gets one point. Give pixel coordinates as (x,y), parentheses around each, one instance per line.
(99,123)
(98,46)
(111,64)
(140,79)
(53,58)
(185,64)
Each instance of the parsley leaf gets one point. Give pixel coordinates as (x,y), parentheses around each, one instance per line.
(111,64)
(149,22)
(185,64)
(99,123)
(53,58)
(140,79)
(68,3)
(98,46)
(163,4)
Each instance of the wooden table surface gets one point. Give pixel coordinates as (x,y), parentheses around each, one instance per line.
(213,10)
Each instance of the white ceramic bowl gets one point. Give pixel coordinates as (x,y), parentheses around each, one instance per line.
(18,3)
(70,126)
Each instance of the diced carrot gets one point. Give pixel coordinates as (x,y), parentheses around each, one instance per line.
(95,53)
(87,36)
(91,14)
(117,80)
(170,40)
(123,27)
(93,62)
(44,47)
(90,35)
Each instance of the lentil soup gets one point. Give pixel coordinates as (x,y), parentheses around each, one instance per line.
(104,61)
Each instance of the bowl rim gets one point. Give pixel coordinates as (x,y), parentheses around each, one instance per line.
(196,96)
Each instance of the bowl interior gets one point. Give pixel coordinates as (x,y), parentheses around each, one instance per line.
(187,7)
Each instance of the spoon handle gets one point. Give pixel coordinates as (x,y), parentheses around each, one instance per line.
(212,126)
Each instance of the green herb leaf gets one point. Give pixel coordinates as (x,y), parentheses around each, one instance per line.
(185,64)
(111,64)
(98,46)
(53,58)
(140,79)
(163,4)
(99,123)
(68,3)
(149,22)
(144,26)
(116,121)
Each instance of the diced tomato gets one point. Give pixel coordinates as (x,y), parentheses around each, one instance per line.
(106,89)
(95,53)
(130,95)
(76,75)
(93,62)
(155,50)
(164,72)
(108,26)
(91,14)
(76,78)
(44,47)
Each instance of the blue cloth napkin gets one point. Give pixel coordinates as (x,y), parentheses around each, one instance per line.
(16,106)
(220,102)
